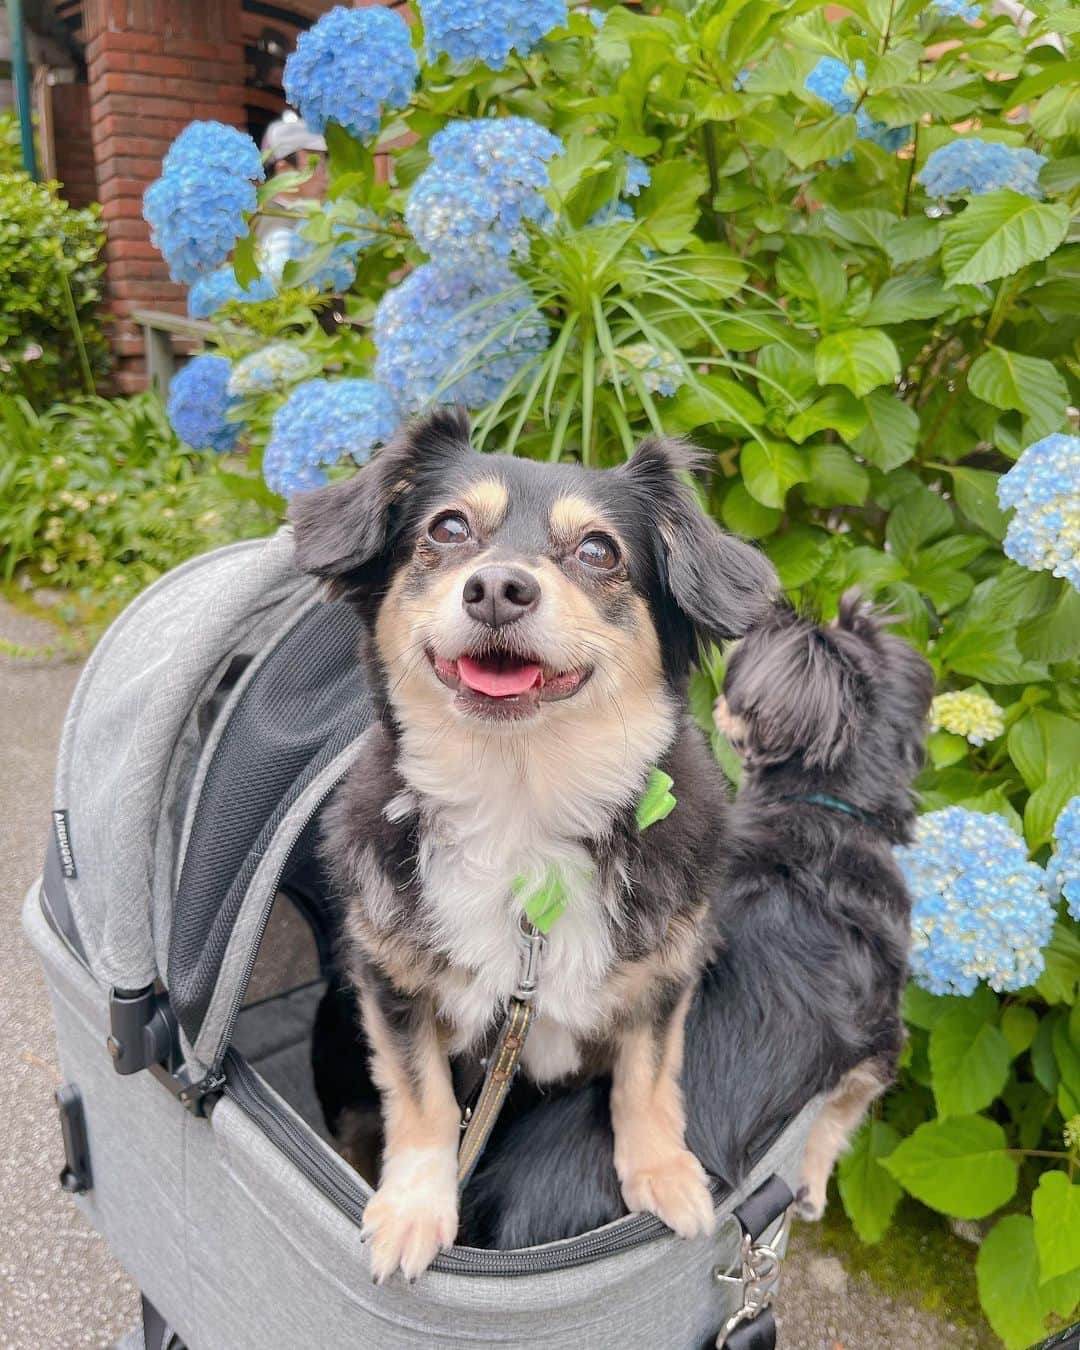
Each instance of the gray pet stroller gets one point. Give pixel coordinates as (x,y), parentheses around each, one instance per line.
(185,946)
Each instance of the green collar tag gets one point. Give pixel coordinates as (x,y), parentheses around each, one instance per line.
(547,902)
(657,801)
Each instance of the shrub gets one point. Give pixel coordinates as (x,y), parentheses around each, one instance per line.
(50,339)
(100,498)
(748,232)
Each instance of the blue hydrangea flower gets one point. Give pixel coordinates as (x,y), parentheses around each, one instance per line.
(488,32)
(981,909)
(213,145)
(960,9)
(455,335)
(198,403)
(1063,868)
(968,168)
(210,292)
(198,208)
(1044,488)
(268,368)
(828,81)
(483,185)
(320,423)
(349,67)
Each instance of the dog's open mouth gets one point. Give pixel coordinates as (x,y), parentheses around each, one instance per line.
(500,684)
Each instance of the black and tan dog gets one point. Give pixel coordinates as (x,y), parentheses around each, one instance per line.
(802,997)
(530,629)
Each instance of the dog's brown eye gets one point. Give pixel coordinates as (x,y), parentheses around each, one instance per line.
(451,529)
(597,551)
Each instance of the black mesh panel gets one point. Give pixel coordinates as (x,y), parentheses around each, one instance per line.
(304,706)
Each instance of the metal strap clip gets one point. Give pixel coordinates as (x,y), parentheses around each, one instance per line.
(530,956)
(758,1264)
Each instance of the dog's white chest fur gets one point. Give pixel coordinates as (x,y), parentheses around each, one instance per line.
(491,821)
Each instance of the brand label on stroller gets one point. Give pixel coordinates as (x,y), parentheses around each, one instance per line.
(63,843)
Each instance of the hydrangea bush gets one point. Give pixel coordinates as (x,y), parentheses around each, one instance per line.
(841,254)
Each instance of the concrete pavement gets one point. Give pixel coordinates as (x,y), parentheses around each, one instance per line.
(59,1287)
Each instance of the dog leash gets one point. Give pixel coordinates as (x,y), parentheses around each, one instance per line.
(539,911)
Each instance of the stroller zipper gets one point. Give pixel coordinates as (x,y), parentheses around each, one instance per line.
(244,1087)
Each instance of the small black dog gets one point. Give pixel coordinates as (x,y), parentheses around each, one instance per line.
(803,997)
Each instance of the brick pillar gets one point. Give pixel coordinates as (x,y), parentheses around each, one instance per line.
(153,66)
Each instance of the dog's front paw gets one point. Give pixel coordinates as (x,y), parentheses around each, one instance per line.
(413,1215)
(674,1188)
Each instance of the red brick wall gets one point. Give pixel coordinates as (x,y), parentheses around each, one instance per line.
(153,66)
(74,147)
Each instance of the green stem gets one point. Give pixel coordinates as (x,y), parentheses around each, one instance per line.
(709,137)
(76,333)
(911,172)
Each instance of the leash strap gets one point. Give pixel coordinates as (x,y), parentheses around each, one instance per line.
(479,1120)
(752,1326)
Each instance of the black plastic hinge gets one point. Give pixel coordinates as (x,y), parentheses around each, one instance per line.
(75,1176)
(142,1030)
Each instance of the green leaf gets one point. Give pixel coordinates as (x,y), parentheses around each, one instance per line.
(668,208)
(245,268)
(969,1062)
(908,296)
(770,468)
(836,410)
(715,398)
(829,139)
(1058,112)
(891,432)
(998,234)
(976,495)
(1018,1026)
(920,516)
(797,555)
(960,1166)
(1046,803)
(810,269)
(912,240)
(1007,1275)
(858,358)
(836,478)
(1028,384)
(1055,1209)
(1059,983)
(743,515)
(923,1009)
(1043,744)
(1065,1039)
(869,1194)
(1055,635)
(944,749)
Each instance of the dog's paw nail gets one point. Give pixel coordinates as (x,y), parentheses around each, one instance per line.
(806,1207)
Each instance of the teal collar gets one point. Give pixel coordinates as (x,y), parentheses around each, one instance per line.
(835,804)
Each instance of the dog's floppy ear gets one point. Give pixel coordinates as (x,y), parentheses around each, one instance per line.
(793,690)
(344,527)
(723,585)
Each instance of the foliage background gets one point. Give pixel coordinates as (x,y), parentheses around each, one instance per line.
(862,362)
(50,285)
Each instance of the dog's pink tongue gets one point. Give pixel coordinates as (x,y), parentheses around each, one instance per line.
(497,681)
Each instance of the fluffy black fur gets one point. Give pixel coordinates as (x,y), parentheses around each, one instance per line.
(814,914)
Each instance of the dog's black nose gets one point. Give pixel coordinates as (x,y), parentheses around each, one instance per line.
(496,596)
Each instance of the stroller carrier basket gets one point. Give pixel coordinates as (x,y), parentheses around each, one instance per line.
(185,937)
